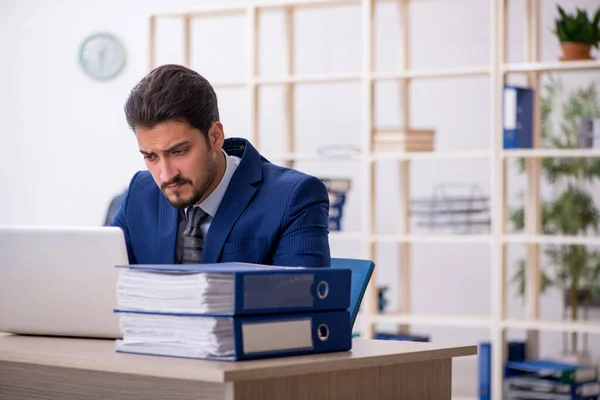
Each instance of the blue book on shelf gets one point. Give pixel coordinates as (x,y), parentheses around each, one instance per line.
(517,127)
(534,387)
(558,371)
(242,289)
(403,337)
(512,394)
(516,352)
(234,338)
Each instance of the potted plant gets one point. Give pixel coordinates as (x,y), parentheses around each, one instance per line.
(570,210)
(577,34)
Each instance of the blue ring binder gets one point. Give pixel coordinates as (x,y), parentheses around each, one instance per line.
(322,294)
(323,332)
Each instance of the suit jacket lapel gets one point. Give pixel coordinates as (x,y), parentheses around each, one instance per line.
(167,230)
(240,191)
(234,202)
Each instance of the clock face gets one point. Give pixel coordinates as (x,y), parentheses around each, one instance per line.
(102,56)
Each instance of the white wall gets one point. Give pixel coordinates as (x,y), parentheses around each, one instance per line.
(67,149)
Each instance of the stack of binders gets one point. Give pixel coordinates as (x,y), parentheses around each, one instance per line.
(549,379)
(233,311)
(412,140)
(337,190)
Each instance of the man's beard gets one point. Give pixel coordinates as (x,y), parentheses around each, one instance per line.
(197,191)
(174,197)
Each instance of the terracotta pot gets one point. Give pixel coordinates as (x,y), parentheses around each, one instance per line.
(575,51)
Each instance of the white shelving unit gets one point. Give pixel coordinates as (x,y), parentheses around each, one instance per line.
(497,70)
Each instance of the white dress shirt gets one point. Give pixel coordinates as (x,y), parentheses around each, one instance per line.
(210,205)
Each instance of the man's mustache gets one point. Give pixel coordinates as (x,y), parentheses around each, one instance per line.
(178,180)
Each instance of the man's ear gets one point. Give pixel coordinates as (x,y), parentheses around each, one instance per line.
(216,136)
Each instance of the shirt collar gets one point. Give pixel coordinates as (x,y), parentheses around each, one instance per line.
(212,202)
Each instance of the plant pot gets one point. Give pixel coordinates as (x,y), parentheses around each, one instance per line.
(584,298)
(575,51)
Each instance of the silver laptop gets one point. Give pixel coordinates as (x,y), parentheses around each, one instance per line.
(60,281)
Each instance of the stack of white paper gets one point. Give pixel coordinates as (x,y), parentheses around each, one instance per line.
(190,293)
(177,335)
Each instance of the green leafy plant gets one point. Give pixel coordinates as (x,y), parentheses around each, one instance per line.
(578,27)
(571,211)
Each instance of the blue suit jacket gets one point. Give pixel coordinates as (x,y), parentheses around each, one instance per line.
(269,215)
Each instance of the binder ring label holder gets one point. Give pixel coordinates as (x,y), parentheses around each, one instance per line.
(322,290)
(323,332)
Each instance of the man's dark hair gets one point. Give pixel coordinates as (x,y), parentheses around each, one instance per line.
(172,92)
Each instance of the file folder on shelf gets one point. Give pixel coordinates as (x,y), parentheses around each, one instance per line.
(232,289)
(234,338)
(533,387)
(518,117)
(517,351)
(554,370)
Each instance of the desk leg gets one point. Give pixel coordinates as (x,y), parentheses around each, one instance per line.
(427,380)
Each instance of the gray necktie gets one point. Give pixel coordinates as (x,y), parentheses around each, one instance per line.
(193,241)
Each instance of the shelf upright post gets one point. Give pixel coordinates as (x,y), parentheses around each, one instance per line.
(498,19)
(252,72)
(152,43)
(187,40)
(290,86)
(533,167)
(404,248)
(367,326)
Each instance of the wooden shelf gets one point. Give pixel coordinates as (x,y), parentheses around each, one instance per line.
(351,77)
(432,73)
(390,237)
(556,326)
(440,320)
(382,156)
(312,157)
(552,239)
(496,72)
(325,78)
(552,66)
(433,155)
(436,320)
(223,9)
(444,155)
(550,153)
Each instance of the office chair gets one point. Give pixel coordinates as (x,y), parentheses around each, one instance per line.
(113,208)
(362,270)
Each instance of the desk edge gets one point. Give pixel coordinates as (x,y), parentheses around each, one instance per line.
(216,376)
(342,364)
(294,366)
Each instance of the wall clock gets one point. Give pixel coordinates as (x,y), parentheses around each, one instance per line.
(102,56)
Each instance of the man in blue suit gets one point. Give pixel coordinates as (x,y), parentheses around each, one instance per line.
(208,199)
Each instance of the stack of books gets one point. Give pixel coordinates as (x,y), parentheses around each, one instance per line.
(337,190)
(233,311)
(411,140)
(549,379)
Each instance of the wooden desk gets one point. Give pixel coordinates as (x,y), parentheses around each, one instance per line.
(61,368)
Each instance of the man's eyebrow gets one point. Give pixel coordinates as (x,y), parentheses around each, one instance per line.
(174,147)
